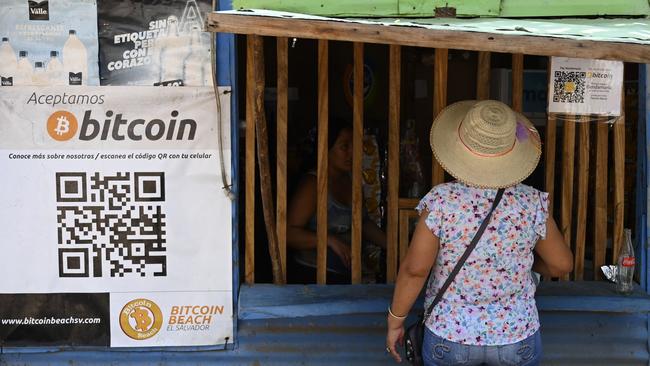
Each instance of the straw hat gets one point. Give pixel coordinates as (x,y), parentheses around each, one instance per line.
(485,144)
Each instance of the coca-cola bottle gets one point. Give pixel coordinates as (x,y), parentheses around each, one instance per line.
(625,266)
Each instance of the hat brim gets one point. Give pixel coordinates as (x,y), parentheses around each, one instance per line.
(476,170)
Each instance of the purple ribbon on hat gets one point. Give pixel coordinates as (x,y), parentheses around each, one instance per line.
(523,132)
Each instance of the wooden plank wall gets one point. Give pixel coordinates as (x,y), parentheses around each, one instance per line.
(577,196)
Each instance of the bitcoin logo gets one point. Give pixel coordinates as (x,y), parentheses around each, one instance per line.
(62,125)
(141,319)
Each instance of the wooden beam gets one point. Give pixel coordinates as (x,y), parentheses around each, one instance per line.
(549,159)
(281,154)
(321,173)
(518,82)
(249,266)
(263,158)
(357,168)
(404,233)
(394,91)
(483,75)
(568,152)
(619,180)
(422,37)
(439,103)
(600,196)
(583,197)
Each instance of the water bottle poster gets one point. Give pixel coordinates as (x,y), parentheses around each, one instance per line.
(157,43)
(48,42)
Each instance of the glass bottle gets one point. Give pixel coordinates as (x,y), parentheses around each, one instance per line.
(625,266)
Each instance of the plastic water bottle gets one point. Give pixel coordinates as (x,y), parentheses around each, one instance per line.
(24,70)
(54,70)
(626,264)
(8,63)
(173,53)
(194,67)
(39,77)
(75,60)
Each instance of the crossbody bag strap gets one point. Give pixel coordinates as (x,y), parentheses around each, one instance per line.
(465,255)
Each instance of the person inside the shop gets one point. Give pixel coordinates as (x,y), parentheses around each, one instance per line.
(487,315)
(301,214)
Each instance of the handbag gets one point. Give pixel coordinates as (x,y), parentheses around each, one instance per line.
(414,337)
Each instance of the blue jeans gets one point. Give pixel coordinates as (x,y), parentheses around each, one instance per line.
(438,351)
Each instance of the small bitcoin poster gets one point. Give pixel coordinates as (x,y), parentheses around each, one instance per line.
(101,246)
(584,86)
(48,43)
(154,43)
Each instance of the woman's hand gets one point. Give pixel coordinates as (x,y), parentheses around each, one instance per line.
(395,336)
(341,250)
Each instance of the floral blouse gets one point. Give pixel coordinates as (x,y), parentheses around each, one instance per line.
(491,301)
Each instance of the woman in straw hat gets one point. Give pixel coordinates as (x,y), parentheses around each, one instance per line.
(486,314)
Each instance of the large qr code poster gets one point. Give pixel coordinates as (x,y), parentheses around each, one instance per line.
(113,204)
(583,86)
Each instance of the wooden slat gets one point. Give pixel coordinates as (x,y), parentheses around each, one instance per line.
(568,154)
(619,180)
(321,174)
(281,154)
(483,75)
(409,203)
(600,196)
(266,189)
(439,103)
(583,197)
(549,159)
(431,38)
(403,233)
(517,82)
(357,168)
(394,90)
(249,267)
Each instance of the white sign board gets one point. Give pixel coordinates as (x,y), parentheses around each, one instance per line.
(583,86)
(118,190)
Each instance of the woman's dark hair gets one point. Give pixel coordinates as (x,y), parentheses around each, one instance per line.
(335,127)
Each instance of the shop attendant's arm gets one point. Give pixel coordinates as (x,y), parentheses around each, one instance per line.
(301,209)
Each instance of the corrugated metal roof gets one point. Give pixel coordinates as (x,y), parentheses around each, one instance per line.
(601,29)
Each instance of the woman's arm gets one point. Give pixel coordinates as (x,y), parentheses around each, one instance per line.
(553,258)
(412,275)
(372,233)
(301,209)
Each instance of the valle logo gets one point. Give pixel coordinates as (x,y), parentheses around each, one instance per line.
(39,10)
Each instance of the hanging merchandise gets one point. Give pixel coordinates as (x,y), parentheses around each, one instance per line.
(68,27)
(145,43)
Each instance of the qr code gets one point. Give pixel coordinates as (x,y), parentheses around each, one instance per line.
(569,87)
(111,225)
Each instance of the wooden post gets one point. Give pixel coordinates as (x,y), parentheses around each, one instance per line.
(394,90)
(321,174)
(619,180)
(568,152)
(517,82)
(549,159)
(439,103)
(600,196)
(483,75)
(583,197)
(357,168)
(263,159)
(403,233)
(281,155)
(249,267)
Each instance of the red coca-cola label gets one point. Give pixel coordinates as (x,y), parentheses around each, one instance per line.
(628,261)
